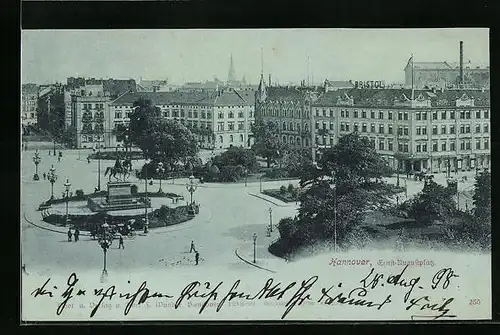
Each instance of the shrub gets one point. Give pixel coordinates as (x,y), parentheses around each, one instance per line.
(283,189)
(79,193)
(290,188)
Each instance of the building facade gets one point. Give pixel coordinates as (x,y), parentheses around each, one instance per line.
(90,116)
(220,119)
(423,130)
(29,101)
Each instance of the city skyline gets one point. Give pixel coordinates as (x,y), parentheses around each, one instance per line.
(197,55)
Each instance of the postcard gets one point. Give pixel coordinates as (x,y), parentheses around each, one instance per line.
(278,174)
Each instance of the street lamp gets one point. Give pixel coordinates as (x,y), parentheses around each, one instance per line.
(67,186)
(191,187)
(406,190)
(52,177)
(246,176)
(260,183)
(334,211)
(160,170)
(98,150)
(105,242)
(270,219)
(146,219)
(254,243)
(36,159)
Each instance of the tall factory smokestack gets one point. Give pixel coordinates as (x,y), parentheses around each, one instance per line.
(461,63)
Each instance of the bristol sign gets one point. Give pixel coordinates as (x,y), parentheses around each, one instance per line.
(377,84)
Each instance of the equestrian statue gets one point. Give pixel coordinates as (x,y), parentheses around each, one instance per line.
(122,169)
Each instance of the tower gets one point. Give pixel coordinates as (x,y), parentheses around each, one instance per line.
(261,92)
(231,77)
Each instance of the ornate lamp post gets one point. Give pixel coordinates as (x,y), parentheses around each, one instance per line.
(160,170)
(36,159)
(191,187)
(52,177)
(105,241)
(146,219)
(97,149)
(270,219)
(67,186)
(254,243)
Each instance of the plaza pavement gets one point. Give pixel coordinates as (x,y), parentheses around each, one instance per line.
(229,215)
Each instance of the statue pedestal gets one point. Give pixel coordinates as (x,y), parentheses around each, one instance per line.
(119,198)
(119,193)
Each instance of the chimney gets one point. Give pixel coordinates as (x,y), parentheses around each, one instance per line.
(461,62)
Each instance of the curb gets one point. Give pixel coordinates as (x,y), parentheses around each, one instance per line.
(250,263)
(49,229)
(268,200)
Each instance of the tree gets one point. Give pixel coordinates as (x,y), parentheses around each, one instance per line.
(295,161)
(267,142)
(352,166)
(434,203)
(122,134)
(482,196)
(160,140)
(235,156)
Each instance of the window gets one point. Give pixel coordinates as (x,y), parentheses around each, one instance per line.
(331,125)
(342,114)
(241,137)
(240,115)
(347,127)
(467,145)
(221,115)
(183,114)
(452,115)
(165,114)
(467,114)
(424,115)
(462,145)
(424,147)
(316,124)
(486,144)
(118,115)
(467,129)
(231,115)
(331,140)
(400,146)
(190,114)
(389,115)
(400,116)
(331,114)
(241,125)
(462,114)
(434,146)
(478,114)
(419,147)
(405,115)
(380,115)
(478,128)
(324,112)
(372,128)
(405,147)
(356,114)
(419,131)
(443,129)
(434,130)
(390,146)
(231,138)
(462,129)
(443,115)
(486,114)
(443,146)
(381,145)
(346,113)
(485,128)
(452,146)
(356,127)
(324,125)
(317,112)
(363,128)
(389,130)
(209,115)
(372,114)
(400,130)
(342,127)
(290,126)
(452,129)
(381,129)
(220,126)
(434,115)
(478,144)
(418,117)
(230,125)
(363,114)
(405,131)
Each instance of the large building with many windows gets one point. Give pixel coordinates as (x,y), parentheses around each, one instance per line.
(219,118)
(29,97)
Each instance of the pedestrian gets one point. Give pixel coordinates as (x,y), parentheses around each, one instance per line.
(192,247)
(120,245)
(69,235)
(88,159)
(77,235)
(197,257)
(44,176)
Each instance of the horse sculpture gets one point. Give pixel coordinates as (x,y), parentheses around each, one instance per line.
(122,169)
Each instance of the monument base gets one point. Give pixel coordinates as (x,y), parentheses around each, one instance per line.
(100,204)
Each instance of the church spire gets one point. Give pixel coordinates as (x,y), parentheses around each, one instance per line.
(231,77)
(262,85)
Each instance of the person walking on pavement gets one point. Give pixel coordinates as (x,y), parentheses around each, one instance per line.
(121,245)
(77,235)
(197,257)
(192,247)
(88,159)
(69,235)
(44,176)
